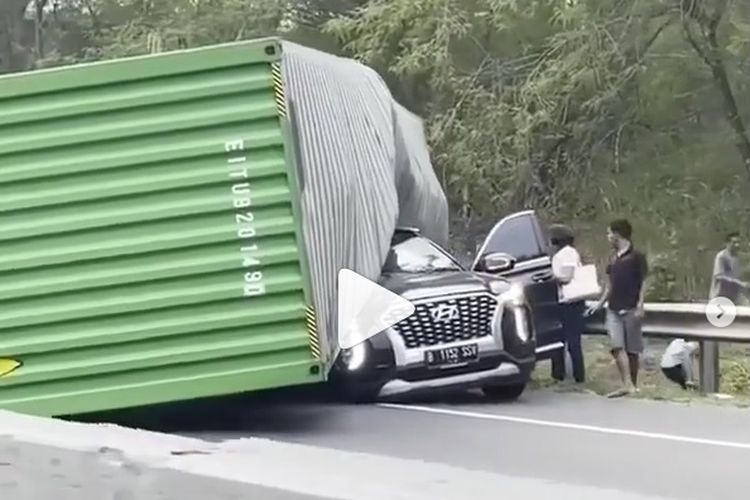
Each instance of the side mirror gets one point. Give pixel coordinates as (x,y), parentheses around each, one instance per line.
(497,262)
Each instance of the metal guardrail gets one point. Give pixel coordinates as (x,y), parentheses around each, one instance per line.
(688,321)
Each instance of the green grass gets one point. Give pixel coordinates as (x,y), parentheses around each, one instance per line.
(602,377)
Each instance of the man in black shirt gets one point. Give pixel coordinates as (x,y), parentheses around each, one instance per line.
(624,293)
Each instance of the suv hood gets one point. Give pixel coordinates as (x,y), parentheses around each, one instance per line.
(421,285)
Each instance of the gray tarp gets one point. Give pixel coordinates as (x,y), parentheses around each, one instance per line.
(364,170)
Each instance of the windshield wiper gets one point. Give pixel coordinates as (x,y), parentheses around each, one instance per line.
(431,270)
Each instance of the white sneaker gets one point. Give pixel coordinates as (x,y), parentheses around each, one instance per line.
(619,393)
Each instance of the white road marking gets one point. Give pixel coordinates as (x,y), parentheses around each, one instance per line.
(567,425)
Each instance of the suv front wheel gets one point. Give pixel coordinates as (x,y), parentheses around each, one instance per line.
(504,392)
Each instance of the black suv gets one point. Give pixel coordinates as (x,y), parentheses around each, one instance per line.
(479,327)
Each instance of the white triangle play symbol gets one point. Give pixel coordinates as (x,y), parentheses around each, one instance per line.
(366,309)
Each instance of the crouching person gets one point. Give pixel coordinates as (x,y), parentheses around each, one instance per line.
(677,362)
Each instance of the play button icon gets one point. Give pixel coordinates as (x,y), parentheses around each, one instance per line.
(366,309)
(721,312)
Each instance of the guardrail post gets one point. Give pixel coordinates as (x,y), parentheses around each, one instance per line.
(688,320)
(709,376)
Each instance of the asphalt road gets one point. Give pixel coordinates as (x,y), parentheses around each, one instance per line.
(663,450)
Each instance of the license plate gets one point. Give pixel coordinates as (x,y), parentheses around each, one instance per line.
(452,356)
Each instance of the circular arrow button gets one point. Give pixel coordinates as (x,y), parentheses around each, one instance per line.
(721,312)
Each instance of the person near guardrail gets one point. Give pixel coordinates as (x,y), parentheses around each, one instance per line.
(624,295)
(725,284)
(725,279)
(565,260)
(677,362)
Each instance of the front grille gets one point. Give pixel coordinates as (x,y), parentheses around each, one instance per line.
(472,319)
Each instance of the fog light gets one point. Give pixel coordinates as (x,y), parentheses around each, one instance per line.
(355,357)
(523,329)
(497,326)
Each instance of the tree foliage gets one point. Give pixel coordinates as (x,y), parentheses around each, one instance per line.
(587,109)
(523,96)
(584,109)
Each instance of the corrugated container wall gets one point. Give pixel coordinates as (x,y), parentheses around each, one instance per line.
(364,169)
(157,216)
(150,233)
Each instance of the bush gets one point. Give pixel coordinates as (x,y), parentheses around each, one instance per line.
(736,377)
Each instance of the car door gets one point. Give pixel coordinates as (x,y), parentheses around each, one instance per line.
(523,237)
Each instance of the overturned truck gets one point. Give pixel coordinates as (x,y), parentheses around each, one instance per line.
(172,225)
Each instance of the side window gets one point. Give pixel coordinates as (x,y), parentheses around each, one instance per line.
(518,237)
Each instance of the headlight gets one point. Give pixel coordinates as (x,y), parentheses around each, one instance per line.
(498,287)
(514,295)
(354,358)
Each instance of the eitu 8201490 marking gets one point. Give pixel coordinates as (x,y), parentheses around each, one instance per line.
(253,282)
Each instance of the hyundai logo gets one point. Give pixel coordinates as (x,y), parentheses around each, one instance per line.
(444,312)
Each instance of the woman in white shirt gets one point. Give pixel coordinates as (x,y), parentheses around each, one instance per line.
(564,262)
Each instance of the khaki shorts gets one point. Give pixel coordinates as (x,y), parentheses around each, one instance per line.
(625,331)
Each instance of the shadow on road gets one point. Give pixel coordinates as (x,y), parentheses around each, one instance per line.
(229,413)
(289,411)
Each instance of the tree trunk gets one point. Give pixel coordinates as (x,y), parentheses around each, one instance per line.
(731,110)
(712,56)
(39,6)
(11,23)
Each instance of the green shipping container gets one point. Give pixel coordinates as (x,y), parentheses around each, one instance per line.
(151,237)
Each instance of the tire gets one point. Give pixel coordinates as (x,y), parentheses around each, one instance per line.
(352,394)
(504,392)
(360,396)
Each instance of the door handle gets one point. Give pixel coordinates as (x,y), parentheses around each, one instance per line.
(538,277)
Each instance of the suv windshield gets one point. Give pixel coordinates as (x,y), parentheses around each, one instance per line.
(414,254)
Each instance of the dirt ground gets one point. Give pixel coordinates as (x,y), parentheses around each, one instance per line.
(602,377)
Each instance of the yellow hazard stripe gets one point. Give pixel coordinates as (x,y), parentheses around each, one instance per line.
(278,89)
(312,331)
(8,366)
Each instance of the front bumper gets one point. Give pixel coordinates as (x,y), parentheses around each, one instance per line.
(393,370)
(506,373)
